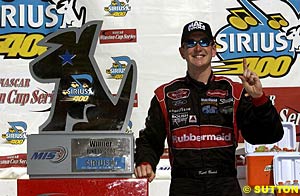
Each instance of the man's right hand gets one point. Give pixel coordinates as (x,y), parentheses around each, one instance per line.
(144,171)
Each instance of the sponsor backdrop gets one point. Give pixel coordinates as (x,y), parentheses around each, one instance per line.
(266,32)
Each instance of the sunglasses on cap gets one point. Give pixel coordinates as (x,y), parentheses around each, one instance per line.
(202,42)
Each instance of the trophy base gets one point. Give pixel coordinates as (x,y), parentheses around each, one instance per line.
(98,155)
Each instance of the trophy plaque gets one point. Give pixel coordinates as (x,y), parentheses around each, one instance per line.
(85,133)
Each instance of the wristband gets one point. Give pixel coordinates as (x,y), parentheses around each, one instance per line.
(144,163)
(260,100)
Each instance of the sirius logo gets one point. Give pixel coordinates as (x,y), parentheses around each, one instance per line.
(16,134)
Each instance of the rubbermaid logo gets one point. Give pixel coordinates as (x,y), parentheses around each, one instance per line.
(198,138)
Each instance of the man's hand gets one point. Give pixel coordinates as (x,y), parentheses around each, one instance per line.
(144,171)
(251,82)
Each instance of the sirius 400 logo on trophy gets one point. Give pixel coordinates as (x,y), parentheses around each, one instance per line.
(85,134)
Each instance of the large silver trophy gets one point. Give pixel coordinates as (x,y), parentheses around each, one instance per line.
(85,134)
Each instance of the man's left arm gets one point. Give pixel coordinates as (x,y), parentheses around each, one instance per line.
(257,118)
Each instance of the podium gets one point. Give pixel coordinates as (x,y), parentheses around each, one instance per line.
(83,187)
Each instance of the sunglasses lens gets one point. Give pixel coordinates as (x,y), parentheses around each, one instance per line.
(191,43)
(203,43)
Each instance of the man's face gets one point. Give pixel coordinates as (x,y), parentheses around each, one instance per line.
(198,57)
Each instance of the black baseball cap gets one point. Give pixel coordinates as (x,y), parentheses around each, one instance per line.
(196,26)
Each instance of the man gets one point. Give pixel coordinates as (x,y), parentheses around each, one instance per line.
(201,115)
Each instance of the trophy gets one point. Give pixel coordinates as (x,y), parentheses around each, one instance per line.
(85,133)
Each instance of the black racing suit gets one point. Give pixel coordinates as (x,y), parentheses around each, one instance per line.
(201,123)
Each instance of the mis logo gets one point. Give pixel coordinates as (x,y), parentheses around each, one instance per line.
(55,155)
(268,41)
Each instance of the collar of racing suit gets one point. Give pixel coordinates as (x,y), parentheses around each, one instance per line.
(189,79)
